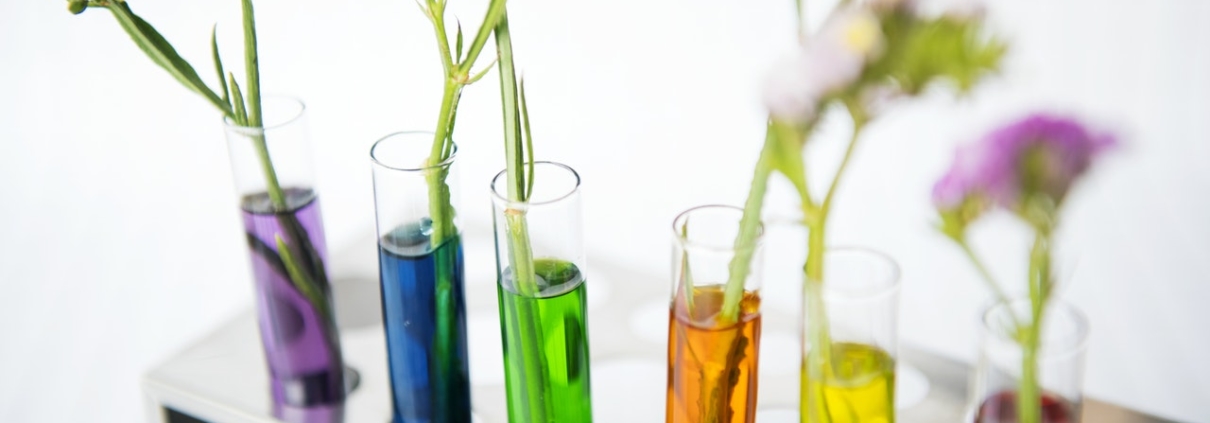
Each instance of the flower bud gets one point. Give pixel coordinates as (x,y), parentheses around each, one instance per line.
(77,7)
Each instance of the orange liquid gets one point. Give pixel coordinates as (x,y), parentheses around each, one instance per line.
(712,367)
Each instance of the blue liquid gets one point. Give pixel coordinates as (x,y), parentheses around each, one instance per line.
(424,313)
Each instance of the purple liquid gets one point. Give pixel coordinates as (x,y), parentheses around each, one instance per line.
(300,340)
(1002,408)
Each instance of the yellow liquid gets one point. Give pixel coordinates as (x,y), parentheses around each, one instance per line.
(858,386)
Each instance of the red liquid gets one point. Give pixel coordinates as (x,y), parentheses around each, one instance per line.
(1002,408)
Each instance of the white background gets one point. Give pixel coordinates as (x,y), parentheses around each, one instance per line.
(119,238)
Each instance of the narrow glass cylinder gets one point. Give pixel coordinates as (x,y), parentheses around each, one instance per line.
(712,358)
(423,301)
(1060,361)
(543,320)
(852,378)
(274,178)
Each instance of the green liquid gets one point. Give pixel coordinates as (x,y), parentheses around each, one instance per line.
(546,346)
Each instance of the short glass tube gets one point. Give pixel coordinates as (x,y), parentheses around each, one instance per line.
(1060,363)
(713,334)
(543,317)
(421,274)
(852,378)
(274,178)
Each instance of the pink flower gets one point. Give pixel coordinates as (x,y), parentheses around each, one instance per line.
(828,63)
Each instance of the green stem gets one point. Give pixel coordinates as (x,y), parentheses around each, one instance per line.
(440,209)
(514,152)
(495,13)
(301,283)
(859,121)
(456,78)
(801,20)
(276,195)
(252,66)
(1029,395)
(820,352)
(536,407)
(443,42)
(729,377)
(537,386)
(254,118)
(521,261)
(686,277)
(446,335)
(521,256)
(1001,296)
(749,230)
(816,218)
(310,278)
(1028,398)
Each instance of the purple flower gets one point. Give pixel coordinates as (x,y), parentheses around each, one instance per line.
(1039,155)
(961,183)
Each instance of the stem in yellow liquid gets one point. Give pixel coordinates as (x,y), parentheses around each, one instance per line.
(858,386)
(712,367)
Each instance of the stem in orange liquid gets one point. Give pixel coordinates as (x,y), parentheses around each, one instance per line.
(712,367)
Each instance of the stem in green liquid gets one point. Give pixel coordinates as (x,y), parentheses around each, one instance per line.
(549,383)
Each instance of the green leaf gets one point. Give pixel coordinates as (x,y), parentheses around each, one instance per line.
(240,114)
(458,44)
(161,52)
(749,229)
(921,52)
(491,22)
(786,151)
(482,73)
(687,276)
(514,159)
(252,66)
(529,144)
(218,65)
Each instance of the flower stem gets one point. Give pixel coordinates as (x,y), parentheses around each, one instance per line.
(1029,393)
(820,351)
(1001,296)
(859,121)
(816,219)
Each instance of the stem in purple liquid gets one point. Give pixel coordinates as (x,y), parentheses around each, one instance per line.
(299,335)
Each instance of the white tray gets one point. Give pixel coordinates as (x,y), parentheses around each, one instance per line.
(222,377)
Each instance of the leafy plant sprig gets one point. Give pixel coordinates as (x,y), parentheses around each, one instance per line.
(519,175)
(296,258)
(457,65)
(519,161)
(865,54)
(912,54)
(1026,168)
